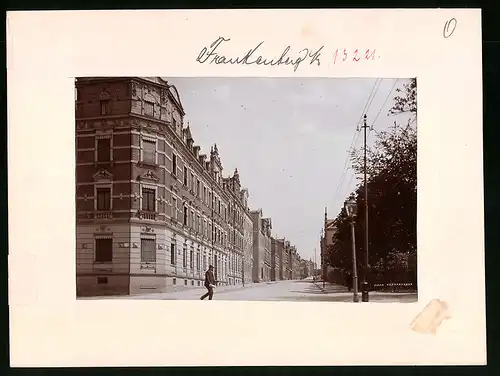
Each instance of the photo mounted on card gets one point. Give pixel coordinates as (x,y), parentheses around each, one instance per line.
(306,176)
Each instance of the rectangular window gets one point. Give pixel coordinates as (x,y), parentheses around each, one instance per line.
(198,224)
(105,107)
(149,152)
(104,150)
(191,259)
(174,164)
(204,262)
(184,257)
(103,250)
(103,199)
(180,212)
(198,261)
(191,183)
(185,176)
(148,250)
(172,253)
(191,221)
(185,222)
(148,199)
(174,208)
(198,191)
(149,108)
(204,198)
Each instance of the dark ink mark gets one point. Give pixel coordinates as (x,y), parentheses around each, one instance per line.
(211,56)
(450,24)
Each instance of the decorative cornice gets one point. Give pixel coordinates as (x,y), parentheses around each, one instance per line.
(102,175)
(149,175)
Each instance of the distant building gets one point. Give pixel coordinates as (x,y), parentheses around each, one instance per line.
(295,264)
(261,247)
(327,239)
(287,262)
(277,258)
(247,244)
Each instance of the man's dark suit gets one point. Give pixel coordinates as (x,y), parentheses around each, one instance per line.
(209,280)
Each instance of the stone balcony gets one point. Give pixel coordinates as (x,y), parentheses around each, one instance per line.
(95,215)
(150,215)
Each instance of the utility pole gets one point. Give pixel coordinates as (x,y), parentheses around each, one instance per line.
(354,264)
(364,293)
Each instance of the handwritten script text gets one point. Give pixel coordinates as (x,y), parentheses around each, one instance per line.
(449,27)
(211,55)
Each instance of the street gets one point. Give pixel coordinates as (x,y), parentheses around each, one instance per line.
(298,291)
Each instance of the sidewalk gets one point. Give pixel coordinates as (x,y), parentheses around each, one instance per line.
(176,292)
(342,294)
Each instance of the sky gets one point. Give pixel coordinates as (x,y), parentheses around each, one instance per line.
(289,139)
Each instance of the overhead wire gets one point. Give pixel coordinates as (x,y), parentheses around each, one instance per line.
(355,137)
(382,107)
(371,128)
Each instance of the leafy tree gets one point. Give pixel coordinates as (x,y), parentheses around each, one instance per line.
(407,101)
(392,199)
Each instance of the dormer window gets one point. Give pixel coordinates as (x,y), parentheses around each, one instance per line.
(104,107)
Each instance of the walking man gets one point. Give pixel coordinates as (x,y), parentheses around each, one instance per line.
(209,283)
(349,281)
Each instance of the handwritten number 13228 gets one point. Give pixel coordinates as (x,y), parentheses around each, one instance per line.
(341,55)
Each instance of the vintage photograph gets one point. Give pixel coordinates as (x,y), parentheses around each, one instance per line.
(252,189)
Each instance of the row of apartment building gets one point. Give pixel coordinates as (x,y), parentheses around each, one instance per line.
(152,210)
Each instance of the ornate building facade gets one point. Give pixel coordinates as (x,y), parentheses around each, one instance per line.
(248,246)
(152,210)
(277,247)
(287,257)
(261,271)
(238,211)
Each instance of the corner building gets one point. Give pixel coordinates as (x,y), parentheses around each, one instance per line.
(152,211)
